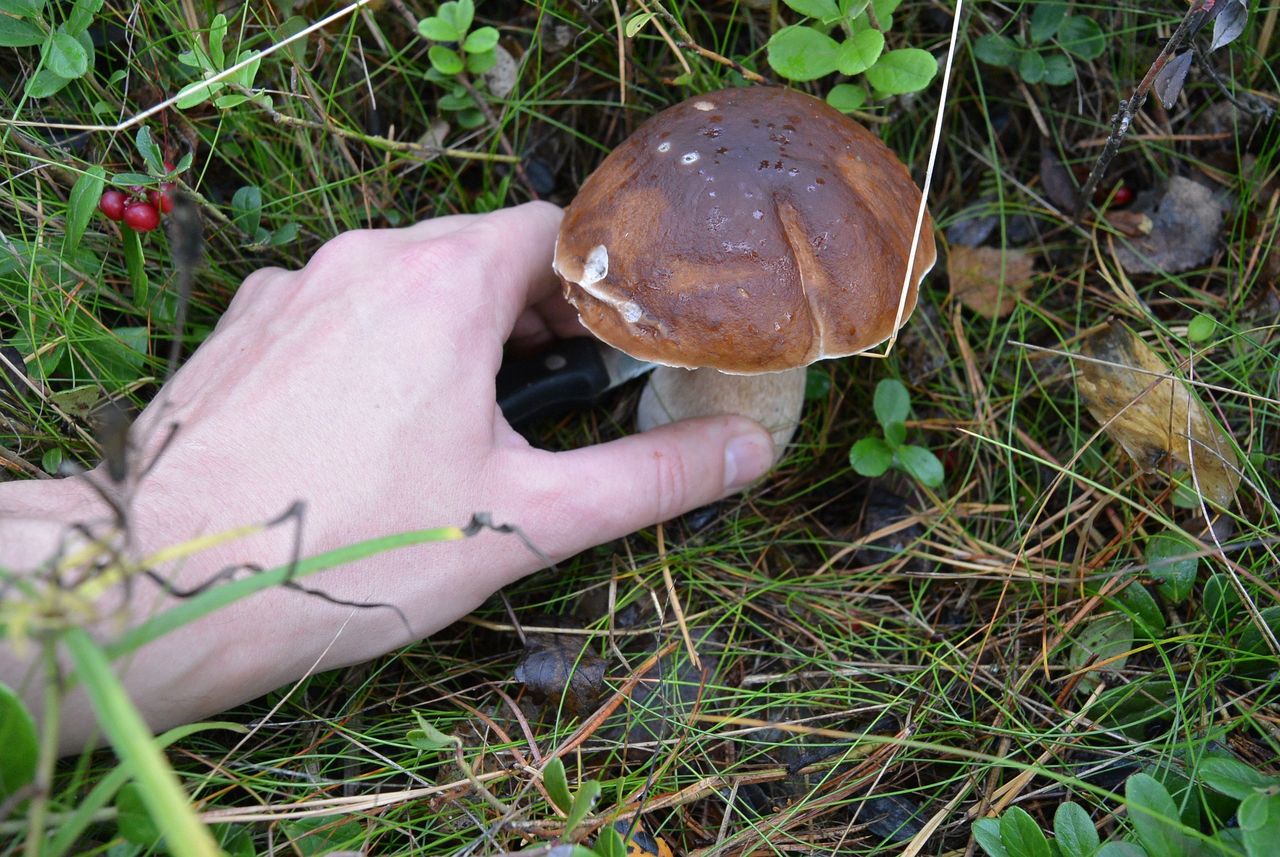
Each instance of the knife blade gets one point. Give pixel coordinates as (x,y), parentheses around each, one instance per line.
(572,372)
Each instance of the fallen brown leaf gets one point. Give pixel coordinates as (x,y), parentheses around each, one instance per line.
(987,280)
(1154,416)
(560,667)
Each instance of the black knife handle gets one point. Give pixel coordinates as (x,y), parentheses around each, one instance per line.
(570,372)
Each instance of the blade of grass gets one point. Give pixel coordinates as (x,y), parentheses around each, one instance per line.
(218,597)
(140,754)
(86,812)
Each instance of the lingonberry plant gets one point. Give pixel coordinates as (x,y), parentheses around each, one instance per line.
(139,199)
(810,50)
(459,51)
(872,456)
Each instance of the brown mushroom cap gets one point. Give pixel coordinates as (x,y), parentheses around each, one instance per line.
(748,230)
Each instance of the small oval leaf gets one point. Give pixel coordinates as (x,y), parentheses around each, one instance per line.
(902,71)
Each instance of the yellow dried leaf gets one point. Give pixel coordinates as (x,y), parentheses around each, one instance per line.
(1152,414)
(987,280)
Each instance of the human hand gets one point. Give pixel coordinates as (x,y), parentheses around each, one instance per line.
(363,385)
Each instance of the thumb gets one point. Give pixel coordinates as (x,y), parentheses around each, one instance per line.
(589,496)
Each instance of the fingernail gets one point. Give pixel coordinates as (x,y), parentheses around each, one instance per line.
(747,457)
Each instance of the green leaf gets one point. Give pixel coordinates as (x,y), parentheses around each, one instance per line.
(636,23)
(1059,70)
(230,100)
(1021,835)
(1121,849)
(149,150)
(1252,813)
(458,13)
(901,71)
(1233,777)
(128,180)
(1172,560)
(1046,19)
(132,819)
(296,49)
(847,97)
(445,60)
(22,8)
(19,744)
(553,777)
(17,33)
(1260,824)
(582,803)
(995,49)
(1031,67)
(197,93)
(1135,600)
(1201,328)
(852,8)
(483,39)
(217,40)
(1220,602)
(81,204)
(860,51)
(81,15)
(609,843)
(429,738)
(871,457)
(922,464)
(1073,831)
(801,53)
(892,402)
(438,29)
(1105,640)
(136,266)
(65,57)
(1082,37)
(823,10)
(51,463)
(45,83)
(248,74)
(284,235)
(987,833)
(246,207)
(895,434)
(1155,817)
(480,63)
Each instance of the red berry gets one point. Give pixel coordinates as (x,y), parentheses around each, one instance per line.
(141,217)
(1123,195)
(162,199)
(112,203)
(169,167)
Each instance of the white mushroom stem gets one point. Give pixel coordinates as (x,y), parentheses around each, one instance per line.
(774,400)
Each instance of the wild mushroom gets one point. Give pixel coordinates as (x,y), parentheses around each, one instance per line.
(745,231)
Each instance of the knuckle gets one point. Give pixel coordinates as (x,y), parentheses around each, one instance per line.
(339,252)
(426,260)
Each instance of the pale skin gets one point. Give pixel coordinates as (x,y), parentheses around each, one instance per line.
(363,386)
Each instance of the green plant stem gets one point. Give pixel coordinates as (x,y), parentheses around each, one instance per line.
(158,785)
(39,810)
(386,144)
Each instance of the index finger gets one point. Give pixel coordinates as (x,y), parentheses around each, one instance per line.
(514,248)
